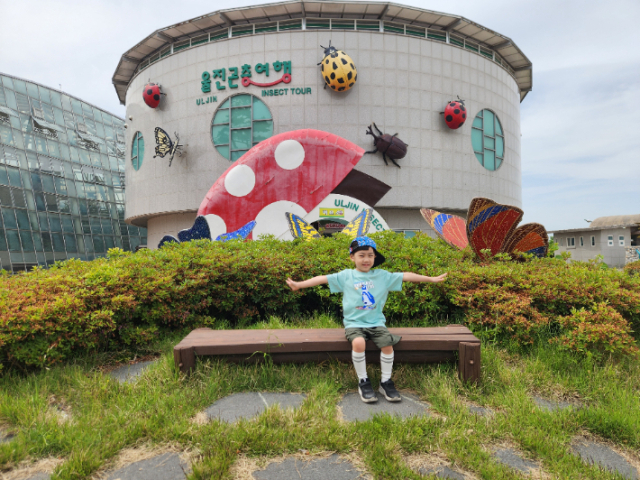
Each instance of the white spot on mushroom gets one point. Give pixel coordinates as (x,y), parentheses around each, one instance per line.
(240,181)
(272,221)
(217,225)
(289,154)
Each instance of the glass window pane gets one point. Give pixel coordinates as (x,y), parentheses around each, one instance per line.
(9,218)
(499,147)
(52,203)
(224,151)
(32,90)
(488,123)
(476,140)
(98,244)
(58,243)
(240,117)
(480,158)
(15,180)
(47,183)
(18,198)
(262,130)
(13,240)
(260,110)
(23,219)
(489,143)
(4,178)
(498,126)
(489,160)
(70,241)
(67,223)
(240,100)
(221,117)
(241,139)
(220,134)
(5,196)
(54,223)
(27,240)
(236,155)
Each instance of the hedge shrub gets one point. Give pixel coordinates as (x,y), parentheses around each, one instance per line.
(126,299)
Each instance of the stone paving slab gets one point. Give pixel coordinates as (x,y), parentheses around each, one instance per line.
(551,405)
(167,466)
(511,458)
(6,437)
(39,476)
(295,469)
(353,408)
(247,405)
(482,411)
(605,457)
(442,472)
(129,373)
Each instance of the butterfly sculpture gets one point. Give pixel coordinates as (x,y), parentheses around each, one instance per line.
(357,227)
(201,230)
(490,226)
(164,145)
(450,228)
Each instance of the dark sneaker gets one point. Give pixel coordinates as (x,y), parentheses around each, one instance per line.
(366,391)
(388,389)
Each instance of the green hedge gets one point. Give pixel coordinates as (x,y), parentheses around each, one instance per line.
(48,315)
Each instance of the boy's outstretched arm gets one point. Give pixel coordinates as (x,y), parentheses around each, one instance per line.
(312,282)
(415,278)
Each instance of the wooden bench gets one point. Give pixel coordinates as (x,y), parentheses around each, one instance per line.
(418,345)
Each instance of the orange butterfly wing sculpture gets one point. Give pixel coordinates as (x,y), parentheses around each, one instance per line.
(450,228)
(489,226)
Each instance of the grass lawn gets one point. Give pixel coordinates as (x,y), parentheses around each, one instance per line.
(79,415)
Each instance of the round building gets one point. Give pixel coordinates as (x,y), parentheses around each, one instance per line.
(233,78)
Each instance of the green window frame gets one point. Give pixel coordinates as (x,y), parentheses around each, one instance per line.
(487,139)
(241,122)
(137,151)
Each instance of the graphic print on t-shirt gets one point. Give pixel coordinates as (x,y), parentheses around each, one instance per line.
(369,303)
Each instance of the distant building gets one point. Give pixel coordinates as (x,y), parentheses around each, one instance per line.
(61,171)
(616,238)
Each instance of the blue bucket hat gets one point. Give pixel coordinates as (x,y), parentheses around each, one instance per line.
(361,243)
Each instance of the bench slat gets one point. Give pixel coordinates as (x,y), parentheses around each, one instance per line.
(418,345)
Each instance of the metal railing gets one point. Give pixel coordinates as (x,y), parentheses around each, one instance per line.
(329,24)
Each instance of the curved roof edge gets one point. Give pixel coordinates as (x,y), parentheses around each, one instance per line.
(519,65)
(616,220)
(61,92)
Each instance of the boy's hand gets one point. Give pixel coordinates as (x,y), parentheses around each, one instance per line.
(440,278)
(293,285)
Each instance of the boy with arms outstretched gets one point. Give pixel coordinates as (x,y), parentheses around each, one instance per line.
(365,292)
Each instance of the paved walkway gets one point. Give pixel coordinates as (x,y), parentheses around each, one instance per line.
(169,466)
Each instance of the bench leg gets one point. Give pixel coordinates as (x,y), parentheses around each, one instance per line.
(469,362)
(185,359)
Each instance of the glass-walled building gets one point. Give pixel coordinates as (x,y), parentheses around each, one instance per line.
(61,178)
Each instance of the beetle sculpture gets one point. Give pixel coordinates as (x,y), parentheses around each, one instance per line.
(455,114)
(387,144)
(151,94)
(338,70)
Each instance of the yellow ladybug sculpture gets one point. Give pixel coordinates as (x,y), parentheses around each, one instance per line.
(338,70)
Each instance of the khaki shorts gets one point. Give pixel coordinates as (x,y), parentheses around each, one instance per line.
(380,335)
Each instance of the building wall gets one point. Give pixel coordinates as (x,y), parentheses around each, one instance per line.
(403,84)
(58,198)
(614,256)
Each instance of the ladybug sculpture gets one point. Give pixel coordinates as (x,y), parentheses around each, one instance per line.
(455,114)
(338,70)
(152,94)
(388,145)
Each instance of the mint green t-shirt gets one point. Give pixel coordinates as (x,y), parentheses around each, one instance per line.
(364,295)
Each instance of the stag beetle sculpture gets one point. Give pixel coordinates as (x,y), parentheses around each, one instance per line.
(387,144)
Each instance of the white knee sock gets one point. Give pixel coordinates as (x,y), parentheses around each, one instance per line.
(360,364)
(386,366)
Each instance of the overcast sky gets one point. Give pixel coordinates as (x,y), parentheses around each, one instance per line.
(580,129)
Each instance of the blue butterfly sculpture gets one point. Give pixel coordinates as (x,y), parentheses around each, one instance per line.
(201,230)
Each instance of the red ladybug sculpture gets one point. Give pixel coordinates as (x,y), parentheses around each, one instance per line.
(151,94)
(455,114)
